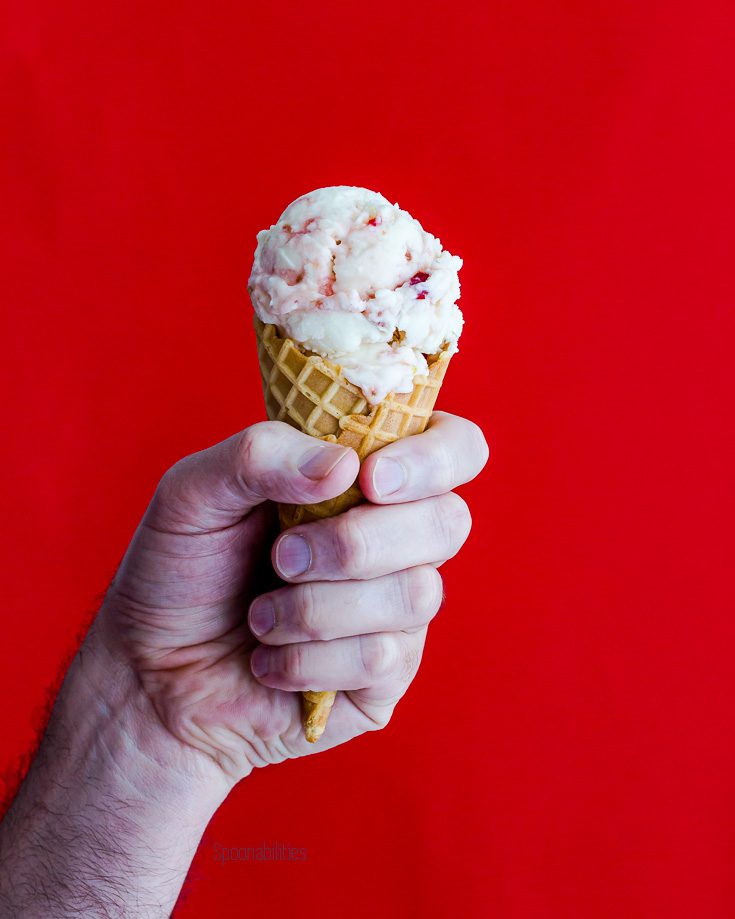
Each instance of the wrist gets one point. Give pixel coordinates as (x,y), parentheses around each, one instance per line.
(111,813)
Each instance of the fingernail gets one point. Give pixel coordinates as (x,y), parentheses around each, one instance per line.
(293,555)
(319,461)
(388,476)
(260,661)
(262,616)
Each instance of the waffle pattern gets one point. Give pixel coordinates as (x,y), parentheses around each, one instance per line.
(310,393)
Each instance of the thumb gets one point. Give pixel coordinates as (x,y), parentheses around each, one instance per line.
(267,461)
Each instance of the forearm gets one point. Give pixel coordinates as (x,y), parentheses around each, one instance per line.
(104,824)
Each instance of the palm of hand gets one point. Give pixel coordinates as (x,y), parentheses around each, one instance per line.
(179,604)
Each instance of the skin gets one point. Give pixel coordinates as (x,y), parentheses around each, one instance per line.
(189,676)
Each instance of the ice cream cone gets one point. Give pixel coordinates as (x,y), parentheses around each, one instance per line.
(310,393)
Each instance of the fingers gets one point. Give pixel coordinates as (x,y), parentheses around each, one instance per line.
(271,460)
(267,461)
(368,541)
(449,453)
(321,611)
(384,662)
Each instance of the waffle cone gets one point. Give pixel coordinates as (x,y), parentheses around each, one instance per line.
(310,393)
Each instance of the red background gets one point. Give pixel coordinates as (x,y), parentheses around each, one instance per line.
(568,749)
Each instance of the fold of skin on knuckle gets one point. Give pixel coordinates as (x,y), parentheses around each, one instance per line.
(352,549)
(471,457)
(421,591)
(163,495)
(306,619)
(411,657)
(444,460)
(251,443)
(251,449)
(453,520)
(479,447)
(378,655)
(379,714)
(170,499)
(258,470)
(382,719)
(292,664)
(168,483)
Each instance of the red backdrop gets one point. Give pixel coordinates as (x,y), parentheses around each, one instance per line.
(579,759)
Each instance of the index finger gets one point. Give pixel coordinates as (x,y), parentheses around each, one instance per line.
(450,452)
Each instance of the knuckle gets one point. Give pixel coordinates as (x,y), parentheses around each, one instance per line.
(421,592)
(170,483)
(165,490)
(251,444)
(378,655)
(293,659)
(306,613)
(351,548)
(380,719)
(172,501)
(410,659)
(453,520)
(445,472)
(255,449)
(479,445)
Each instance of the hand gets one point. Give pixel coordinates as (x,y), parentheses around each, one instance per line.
(171,699)
(218,660)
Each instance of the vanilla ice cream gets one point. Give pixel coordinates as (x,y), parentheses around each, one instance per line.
(357,280)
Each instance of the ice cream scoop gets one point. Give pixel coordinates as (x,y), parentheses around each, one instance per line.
(353,278)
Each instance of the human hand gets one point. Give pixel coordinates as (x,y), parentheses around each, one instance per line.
(218,660)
